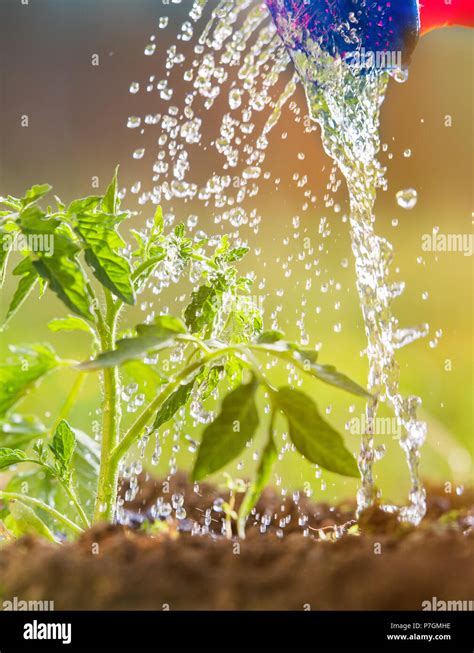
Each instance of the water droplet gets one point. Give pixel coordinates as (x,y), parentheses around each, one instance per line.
(150,49)
(138,154)
(134,122)
(407,198)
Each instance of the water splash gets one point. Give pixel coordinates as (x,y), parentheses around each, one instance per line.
(237,36)
(347,104)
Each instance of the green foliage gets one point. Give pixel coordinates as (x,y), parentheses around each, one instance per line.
(173,403)
(9,457)
(23,520)
(215,349)
(225,438)
(314,438)
(20,373)
(29,277)
(62,447)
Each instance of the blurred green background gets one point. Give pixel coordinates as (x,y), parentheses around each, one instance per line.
(77,130)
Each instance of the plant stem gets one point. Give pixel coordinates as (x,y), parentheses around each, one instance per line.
(36,503)
(108,474)
(71,398)
(73,496)
(141,422)
(67,488)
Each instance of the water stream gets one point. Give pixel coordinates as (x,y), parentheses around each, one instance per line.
(239,34)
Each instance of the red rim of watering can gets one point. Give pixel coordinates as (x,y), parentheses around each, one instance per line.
(438,13)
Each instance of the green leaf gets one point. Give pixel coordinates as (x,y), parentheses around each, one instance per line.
(70,323)
(158,335)
(174,402)
(102,255)
(9,457)
(158,222)
(83,205)
(6,243)
(145,376)
(314,438)
(35,193)
(143,271)
(17,431)
(62,446)
(21,372)
(237,254)
(210,379)
(269,337)
(330,375)
(202,309)
(23,520)
(111,201)
(12,202)
(43,485)
(162,326)
(225,438)
(64,273)
(268,459)
(28,280)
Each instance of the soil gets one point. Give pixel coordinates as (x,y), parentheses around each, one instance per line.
(375,565)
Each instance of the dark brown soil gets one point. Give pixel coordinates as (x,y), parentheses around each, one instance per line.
(379,566)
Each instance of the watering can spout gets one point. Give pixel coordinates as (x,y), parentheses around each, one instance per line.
(387,30)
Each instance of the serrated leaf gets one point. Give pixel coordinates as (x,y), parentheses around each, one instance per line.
(102,255)
(22,371)
(225,438)
(12,202)
(314,438)
(210,378)
(28,280)
(61,269)
(70,323)
(23,520)
(35,193)
(83,205)
(237,254)
(66,279)
(63,445)
(111,201)
(202,309)
(9,457)
(42,485)
(174,402)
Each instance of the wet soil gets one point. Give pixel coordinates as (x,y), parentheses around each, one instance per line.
(337,565)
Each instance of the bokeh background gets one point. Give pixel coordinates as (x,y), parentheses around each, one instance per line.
(77,130)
